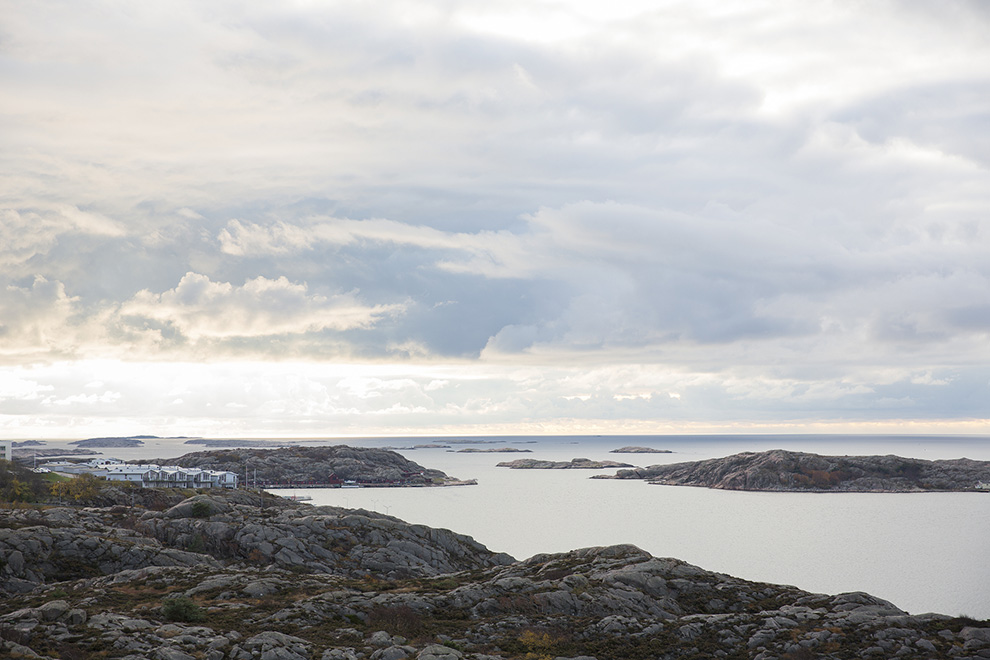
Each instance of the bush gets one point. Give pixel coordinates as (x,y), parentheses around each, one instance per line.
(182,609)
(201,510)
(396,619)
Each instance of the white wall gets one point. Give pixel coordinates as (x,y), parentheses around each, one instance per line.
(6,451)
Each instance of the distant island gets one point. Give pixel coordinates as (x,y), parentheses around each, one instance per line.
(316,467)
(780,470)
(640,450)
(28,454)
(573,464)
(121,441)
(497,450)
(233,442)
(129,441)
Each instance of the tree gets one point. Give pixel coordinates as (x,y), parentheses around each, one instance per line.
(84,487)
(60,489)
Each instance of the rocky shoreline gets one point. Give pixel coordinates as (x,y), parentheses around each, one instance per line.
(788,471)
(238,575)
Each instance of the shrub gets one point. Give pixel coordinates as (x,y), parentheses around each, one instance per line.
(201,510)
(183,609)
(396,619)
(538,645)
(196,543)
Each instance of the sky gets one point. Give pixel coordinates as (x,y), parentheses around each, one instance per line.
(390,217)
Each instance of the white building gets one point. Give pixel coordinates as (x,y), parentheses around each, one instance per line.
(6,452)
(170,476)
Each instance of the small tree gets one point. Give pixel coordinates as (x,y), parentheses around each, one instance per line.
(60,489)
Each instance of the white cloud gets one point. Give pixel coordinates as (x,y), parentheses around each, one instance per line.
(201,308)
(35,318)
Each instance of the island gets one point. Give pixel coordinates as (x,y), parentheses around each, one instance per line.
(640,450)
(30,454)
(234,442)
(573,464)
(497,450)
(129,441)
(781,470)
(156,573)
(317,467)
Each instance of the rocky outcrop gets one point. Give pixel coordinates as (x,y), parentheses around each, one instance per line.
(314,465)
(573,464)
(222,527)
(594,603)
(781,470)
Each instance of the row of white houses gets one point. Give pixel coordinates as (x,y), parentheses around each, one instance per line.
(150,475)
(169,476)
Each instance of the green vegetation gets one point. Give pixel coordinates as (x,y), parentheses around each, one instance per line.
(182,609)
(18,484)
(201,510)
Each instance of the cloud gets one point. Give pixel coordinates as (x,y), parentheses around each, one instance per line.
(35,318)
(201,308)
(765,208)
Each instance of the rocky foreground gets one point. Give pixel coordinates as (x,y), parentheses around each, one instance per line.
(314,465)
(235,575)
(780,470)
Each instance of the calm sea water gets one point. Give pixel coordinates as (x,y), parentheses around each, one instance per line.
(924,552)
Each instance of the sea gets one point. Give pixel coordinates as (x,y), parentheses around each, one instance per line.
(924,552)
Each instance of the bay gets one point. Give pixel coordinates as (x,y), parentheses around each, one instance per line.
(925,552)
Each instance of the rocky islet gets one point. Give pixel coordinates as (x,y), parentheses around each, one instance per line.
(781,470)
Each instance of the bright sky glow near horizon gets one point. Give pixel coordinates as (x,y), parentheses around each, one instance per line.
(413,218)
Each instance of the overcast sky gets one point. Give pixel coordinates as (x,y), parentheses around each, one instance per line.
(515,216)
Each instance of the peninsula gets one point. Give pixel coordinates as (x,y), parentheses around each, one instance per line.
(316,466)
(780,470)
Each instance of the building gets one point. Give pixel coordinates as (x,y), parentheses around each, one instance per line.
(170,476)
(6,452)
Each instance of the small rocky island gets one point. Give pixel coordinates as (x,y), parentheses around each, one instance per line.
(573,464)
(216,443)
(497,450)
(316,466)
(640,450)
(234,575)
(780,470)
